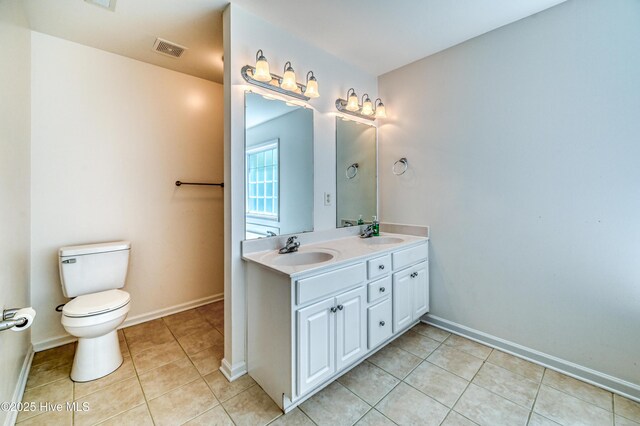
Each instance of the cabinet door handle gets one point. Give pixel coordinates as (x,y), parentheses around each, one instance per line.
(382,323)
(382,289)
(380,267)
(340,307)
(333,310)
(413,275)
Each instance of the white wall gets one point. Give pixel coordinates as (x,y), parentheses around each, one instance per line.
(110,136)
(523,146)
(14,191)
(244,34)
(294,131)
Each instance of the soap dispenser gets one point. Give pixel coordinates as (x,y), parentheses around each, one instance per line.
(360,220)
(376,227)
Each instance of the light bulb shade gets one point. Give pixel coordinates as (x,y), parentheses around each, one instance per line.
(352,103)
(289,79)
(381,111)
(261,72)
(367,107)
(312,88)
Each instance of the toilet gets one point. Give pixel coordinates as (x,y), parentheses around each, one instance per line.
(92,274)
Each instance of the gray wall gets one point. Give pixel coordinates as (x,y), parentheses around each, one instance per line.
(524,150)
(295,131)
(15,39)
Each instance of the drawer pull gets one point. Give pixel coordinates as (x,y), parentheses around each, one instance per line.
(382,323)
(413,275)
(382,289)
(340,307)
(381,267)
(333,310)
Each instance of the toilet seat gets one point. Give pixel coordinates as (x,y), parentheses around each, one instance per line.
(93,304)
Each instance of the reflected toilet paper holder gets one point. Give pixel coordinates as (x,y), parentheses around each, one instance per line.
(8,322)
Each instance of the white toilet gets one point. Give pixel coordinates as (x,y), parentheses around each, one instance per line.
(93,274)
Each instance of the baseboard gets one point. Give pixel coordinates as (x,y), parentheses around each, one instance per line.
(10,420)
(597,378)
(233,372)
(138,319)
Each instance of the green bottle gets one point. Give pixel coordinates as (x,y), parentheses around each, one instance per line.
(376,227)
(360,221)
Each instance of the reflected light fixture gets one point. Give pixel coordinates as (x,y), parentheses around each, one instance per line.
(352,101)
(261,72)
(289,78)
(367,106)
(259,75)
(312,86)
(381,111)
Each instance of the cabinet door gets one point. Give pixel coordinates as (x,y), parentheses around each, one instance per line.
(402,303)
(351,326)
(420,283)
(379,322)
(316,350)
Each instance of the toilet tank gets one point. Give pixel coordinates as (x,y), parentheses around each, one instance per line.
(92,268)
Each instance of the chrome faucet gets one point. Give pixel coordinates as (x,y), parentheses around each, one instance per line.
(291,245)
(368,232)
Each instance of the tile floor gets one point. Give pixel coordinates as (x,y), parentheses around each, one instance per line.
(425,377)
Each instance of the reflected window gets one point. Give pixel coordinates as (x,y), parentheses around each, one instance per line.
(262,180)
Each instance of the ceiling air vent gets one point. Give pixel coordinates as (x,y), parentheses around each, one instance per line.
(168,48)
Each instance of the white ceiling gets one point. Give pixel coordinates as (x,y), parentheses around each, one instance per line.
(382,35)
(133,27)
(375,35)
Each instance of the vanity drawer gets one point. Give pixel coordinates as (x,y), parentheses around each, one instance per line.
(379,323)
(379,266)
(321,285)
(409,256)
(378,289)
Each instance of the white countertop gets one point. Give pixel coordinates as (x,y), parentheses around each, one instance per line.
(343,250)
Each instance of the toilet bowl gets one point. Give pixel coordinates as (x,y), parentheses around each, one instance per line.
(93,274)
(93,319)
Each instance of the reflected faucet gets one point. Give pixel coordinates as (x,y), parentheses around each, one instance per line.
(291,245)
(368,232)
(271,234)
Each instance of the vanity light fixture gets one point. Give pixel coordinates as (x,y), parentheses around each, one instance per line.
(351,106)
(261,72)
(352,103)
(289,78)
(367,106)
(287,84)
(312,86)
(381,111)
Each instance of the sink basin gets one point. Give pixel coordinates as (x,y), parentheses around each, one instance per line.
(302,258)
(382,240)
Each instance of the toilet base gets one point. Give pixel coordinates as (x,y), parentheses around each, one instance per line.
(96,357)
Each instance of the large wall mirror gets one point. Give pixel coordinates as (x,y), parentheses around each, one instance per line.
(356,173)
(278,167)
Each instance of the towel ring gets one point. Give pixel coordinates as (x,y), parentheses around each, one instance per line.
(354,171)
(402,161)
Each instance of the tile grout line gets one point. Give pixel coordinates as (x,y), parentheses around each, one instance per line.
(535,399)
(579,398)
(220,403)
(465,389)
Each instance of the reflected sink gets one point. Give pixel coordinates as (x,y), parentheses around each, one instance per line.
(302,258)
(382,240)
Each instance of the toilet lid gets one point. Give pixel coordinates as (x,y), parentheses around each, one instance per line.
(96,303)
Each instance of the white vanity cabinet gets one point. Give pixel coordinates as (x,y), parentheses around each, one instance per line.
(331,334)
(410,295)
(307,328)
